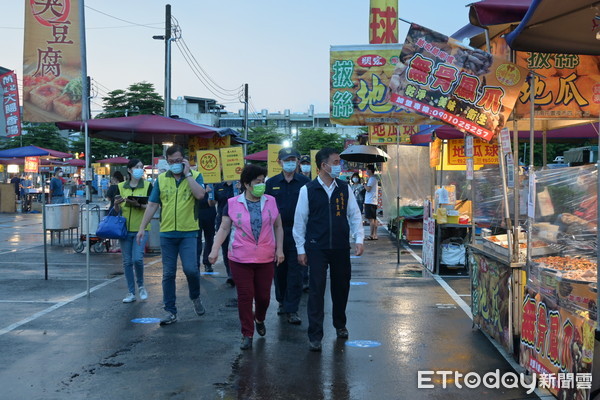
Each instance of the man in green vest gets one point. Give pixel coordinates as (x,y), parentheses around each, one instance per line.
(176,191)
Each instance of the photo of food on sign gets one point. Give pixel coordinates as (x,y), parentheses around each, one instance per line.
(467,88)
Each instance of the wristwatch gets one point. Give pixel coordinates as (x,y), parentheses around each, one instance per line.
(189,174)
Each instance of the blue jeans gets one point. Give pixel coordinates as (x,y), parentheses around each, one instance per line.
(133,257)
(186,249)
(58,199)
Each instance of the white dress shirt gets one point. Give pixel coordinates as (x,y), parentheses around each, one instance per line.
(301,216)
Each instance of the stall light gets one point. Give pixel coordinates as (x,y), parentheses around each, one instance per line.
(12,169)
(286,143)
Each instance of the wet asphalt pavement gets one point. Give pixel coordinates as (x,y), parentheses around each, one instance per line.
(58,343)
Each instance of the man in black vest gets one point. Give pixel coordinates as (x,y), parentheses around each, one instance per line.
(327,215)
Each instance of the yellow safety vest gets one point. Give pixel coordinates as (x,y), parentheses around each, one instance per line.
(133,215)
(178,209)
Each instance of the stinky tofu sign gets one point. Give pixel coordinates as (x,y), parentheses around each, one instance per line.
(359,86)
(469,89)
(483,152)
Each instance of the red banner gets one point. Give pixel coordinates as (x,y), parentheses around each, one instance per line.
(10,104)
(469,89)
(32,164)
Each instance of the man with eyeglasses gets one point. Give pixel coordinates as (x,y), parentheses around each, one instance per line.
(176,191)
(326,216)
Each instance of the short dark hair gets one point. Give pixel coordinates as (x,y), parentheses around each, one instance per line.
(251,172)
(371,168)
(323,155)
(57,170)
(174,149)
(118,176)
(357,175)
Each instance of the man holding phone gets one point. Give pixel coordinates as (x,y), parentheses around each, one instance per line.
(177,191)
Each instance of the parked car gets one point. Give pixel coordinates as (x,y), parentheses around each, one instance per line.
(559,160)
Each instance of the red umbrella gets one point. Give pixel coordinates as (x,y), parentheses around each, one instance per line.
(114,160)
(258,156)
(75,162)
(141,129)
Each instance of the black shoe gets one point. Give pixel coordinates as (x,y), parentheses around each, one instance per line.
(342,333)
(315,346)
(230,282)
(280,310)
(246,343)
(293,318)
(261,329)
(208,268)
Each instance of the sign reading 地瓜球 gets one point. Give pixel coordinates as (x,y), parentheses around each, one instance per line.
(469,89)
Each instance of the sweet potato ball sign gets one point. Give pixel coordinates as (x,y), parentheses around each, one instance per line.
(469,89)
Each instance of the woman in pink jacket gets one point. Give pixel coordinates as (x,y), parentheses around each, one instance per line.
(255,232)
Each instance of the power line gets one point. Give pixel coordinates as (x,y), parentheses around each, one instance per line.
(124,20)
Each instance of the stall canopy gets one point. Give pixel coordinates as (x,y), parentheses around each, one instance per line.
(258,156)
(114,160)
(497,12)
(565,27)
(147,129)
(32,151)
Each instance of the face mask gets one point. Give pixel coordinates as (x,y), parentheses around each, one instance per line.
(355,180)
(305,168)
(258,190)
(137,173)
(289,166)
(176,168)
(336,170)
(60,174)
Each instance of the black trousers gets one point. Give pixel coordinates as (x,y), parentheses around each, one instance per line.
(338,262)
(207,229)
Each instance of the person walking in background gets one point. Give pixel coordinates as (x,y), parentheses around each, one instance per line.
(223,192)
(358,189)
(285,187)
(207,214)
(130,200)
(371,195)
(253,223)
(113,189)
(104,184)
(16,181)
(57,194)
(326,217)
(177,191)
(305,166)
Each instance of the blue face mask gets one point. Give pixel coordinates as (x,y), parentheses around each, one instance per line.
(289,166)
(336,170)
(137,173)
(305,168)
(176,168)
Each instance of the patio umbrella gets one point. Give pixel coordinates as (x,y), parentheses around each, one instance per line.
(564,27)
(114,160)
(364,154)
(32,151)
(258,156)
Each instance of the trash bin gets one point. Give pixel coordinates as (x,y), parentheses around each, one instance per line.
(57,216)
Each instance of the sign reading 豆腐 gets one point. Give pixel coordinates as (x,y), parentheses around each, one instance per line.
(232,159)
(469,89)
(209,165)
(52,86)
(359,86)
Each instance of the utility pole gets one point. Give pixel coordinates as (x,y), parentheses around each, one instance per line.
(168,60)
(245,118)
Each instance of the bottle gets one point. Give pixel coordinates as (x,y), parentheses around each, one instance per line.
(211,194)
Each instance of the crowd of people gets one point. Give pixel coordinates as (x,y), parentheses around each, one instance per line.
(286,229)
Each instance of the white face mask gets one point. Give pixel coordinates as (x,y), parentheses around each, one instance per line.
(336,170)
(137,173)
(60,174)
(305,168)
(289,166)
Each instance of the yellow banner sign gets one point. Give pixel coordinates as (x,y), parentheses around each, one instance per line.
(359,82)
(273,167)
(441,79)
(434,153)
(383,21)
(52,89)
(314,168)
(483,152)
(209,165)
(215,142)
(232,159)
(391,134)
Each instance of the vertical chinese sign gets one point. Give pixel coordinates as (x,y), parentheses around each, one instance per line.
(469,89)
(51,61)
(232,159)
(10,104)
(383,21)
(32,164)
(360,83)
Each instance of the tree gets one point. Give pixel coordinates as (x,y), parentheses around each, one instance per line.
(139,98)
(45,135)
(318,138)
(261,136)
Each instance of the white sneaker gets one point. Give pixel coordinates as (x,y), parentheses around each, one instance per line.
(130,298)
(143,293)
